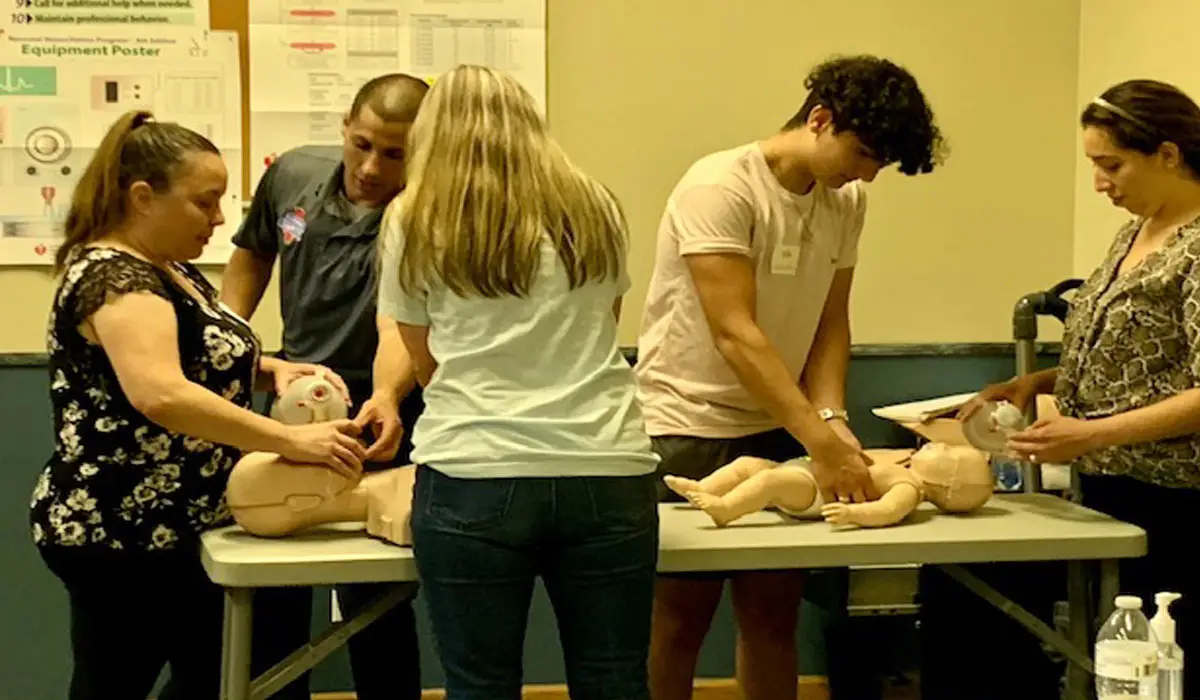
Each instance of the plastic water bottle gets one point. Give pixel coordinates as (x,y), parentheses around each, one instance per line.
(1008,474)
(1127,654)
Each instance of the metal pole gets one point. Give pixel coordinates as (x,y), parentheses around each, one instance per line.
(1025,330)
(1025,338)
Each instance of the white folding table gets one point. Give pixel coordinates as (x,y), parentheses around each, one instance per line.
(1010,528)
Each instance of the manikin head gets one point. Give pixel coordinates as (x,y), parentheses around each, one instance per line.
(271,496)
(155,186)
(1143,139)
(374,134)
(862,114)
(254,489)
(310,399)
(955,478)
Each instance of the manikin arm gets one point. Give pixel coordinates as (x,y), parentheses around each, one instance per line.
(901,496)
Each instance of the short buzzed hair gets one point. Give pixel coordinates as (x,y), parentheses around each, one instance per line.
(393,97)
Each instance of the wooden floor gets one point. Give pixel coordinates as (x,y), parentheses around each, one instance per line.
(807,688)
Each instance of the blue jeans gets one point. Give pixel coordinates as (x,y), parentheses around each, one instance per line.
(481,543)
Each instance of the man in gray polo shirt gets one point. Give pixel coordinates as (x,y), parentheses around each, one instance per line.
(318,210)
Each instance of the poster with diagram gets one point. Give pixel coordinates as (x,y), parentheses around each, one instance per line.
(61,91)
(309,57)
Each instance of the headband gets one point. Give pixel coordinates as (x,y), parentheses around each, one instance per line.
(1101,102)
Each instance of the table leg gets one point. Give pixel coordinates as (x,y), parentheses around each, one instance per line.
(1110,588)
(1078,685)
(235,648)
(335,637)
(1075,654)
(1076,646)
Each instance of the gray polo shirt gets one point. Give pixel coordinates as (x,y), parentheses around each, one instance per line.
(326,248)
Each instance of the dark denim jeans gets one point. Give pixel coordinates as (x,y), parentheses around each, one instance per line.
(481,543)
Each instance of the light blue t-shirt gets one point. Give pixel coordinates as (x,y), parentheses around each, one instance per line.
(525,387)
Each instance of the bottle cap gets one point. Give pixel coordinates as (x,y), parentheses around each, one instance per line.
(1129,602)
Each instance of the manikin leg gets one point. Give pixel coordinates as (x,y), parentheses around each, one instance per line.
(791,488)
(723,480)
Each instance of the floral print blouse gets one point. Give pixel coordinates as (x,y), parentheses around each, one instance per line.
(116,480)
(1132,340)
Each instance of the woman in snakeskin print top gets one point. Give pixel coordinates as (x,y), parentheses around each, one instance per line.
(1128,386)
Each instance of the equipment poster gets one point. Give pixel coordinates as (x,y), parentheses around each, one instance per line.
(61,91)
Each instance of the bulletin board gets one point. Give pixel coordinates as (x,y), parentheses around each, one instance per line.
(306,59)
(234,15)
(67,71)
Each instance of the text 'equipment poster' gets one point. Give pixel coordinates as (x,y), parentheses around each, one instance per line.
(309,57)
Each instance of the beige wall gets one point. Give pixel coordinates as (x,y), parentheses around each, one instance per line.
(1157,41)
(639,89)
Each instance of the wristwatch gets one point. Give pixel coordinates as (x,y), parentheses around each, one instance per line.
(828,414)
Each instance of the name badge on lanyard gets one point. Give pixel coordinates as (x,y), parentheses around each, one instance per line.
(785,258)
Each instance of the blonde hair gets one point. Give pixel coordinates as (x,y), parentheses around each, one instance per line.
(486,182)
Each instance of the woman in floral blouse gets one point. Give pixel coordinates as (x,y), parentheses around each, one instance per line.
(1128,386)
(151,385)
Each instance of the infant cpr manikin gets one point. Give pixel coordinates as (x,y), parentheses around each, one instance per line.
(310,399)
(956,479)
(270,496)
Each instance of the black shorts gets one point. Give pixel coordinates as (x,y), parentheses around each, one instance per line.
(697,457)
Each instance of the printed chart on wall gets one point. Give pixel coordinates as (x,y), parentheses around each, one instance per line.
(144,15)
(62,89)
(309,57)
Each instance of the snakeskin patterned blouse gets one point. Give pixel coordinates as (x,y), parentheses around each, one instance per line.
(1132,340)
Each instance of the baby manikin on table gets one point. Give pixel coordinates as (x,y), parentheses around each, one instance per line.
(956,479)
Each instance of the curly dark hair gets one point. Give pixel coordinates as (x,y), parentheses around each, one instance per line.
(881,104)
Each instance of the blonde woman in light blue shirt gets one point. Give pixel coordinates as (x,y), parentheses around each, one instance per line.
(504,267)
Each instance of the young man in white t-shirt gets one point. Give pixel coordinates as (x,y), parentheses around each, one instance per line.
(746,335)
